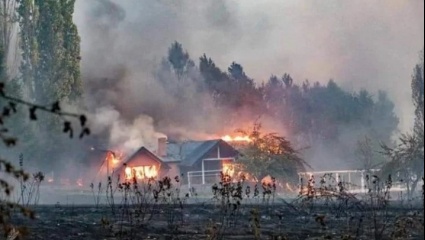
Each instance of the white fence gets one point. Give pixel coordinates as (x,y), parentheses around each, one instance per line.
(355,180)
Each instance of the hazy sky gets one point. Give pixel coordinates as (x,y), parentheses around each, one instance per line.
(370,44)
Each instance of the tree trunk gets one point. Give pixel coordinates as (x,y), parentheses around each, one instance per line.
(413,189)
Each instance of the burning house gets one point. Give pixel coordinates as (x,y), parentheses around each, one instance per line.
(199,162)
(143,164)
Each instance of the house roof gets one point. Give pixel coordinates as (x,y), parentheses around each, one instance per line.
(144,150)
(186,153)
(190,152)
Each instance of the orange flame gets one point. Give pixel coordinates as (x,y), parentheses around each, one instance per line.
(228,169)
(229,138)
(113,159)
(143,172)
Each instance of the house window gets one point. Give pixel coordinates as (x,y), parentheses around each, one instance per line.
(141,172)
(228,168)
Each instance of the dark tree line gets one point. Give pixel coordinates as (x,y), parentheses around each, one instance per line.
(310,113)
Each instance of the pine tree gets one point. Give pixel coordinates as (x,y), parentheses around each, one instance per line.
(179,59)
(217,82)
(274,95)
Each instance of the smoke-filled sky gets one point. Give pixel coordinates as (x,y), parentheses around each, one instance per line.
(360,43)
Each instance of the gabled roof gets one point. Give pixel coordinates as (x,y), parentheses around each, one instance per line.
(144,150)
(190,152)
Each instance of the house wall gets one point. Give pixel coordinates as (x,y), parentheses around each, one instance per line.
(173,171)
(225,152)
(141,159)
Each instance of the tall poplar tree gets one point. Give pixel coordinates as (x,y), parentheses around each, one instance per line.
(71,45)
(7,24)
(418,98)
(50,47)
(50,66)
(28,44)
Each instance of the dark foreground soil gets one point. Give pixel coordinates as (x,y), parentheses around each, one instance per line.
(204,221)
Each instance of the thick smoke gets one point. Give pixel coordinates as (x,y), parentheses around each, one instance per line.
(129,88)
(360,44)
(126,136)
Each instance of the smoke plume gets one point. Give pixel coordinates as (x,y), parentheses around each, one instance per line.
(360,44)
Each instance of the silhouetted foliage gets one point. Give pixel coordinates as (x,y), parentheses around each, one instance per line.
(406,161)
(11,117)
(9,109)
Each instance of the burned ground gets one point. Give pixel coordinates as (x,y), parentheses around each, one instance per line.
(208,221)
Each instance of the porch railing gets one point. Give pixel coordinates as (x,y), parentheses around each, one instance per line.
(203,175)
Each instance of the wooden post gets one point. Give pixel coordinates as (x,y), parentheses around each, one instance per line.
(188,181)
(203,172)
(21,164)
(107,164)
(349,181)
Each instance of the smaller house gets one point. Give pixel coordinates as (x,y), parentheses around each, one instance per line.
(199,162)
